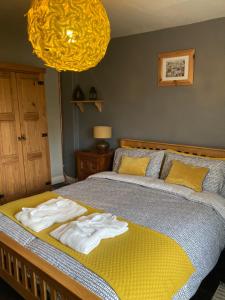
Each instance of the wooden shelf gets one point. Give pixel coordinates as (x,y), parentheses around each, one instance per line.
(80,103)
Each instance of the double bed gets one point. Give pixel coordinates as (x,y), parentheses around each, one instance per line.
(194,220)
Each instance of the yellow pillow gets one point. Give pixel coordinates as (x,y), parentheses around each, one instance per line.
(187,175)
(133,165)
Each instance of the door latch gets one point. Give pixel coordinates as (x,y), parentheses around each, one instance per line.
(22,137)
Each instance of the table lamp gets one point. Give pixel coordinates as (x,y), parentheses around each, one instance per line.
(101,133)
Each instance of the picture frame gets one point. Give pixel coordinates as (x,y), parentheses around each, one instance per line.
(176,68)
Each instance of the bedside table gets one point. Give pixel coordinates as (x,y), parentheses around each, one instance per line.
(91,162)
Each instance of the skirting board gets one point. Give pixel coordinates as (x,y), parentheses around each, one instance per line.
(58,179)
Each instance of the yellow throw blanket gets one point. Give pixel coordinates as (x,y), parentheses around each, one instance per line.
(141,264)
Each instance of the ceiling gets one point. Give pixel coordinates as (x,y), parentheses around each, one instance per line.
(136,16)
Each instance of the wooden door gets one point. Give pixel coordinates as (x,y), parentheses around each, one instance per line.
(32,110)
(12,179)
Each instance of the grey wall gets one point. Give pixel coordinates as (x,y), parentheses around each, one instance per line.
(70,122)
(136,108)
(15,48)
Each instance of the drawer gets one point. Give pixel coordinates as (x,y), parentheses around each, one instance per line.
(88,165)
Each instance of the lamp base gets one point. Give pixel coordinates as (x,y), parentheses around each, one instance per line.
(102,146)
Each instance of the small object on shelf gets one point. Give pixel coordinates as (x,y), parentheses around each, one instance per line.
(92,93)
(91,162)
(78,93)
(101,133)
(80,104)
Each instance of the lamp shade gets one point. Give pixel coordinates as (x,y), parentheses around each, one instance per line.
(102,132)
(69,34)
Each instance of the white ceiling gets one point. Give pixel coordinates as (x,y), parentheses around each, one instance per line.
(136,16)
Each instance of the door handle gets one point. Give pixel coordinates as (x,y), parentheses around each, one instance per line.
(22,137)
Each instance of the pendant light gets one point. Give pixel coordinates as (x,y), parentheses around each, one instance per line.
(69,35)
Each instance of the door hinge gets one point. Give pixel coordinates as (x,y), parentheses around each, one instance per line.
(44,134)
(40,82)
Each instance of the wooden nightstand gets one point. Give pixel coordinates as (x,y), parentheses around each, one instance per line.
(91,162)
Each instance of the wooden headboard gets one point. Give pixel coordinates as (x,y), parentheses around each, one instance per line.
(195,150)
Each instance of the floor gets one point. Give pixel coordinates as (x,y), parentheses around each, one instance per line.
(6,293)
(211,282)
(205,292)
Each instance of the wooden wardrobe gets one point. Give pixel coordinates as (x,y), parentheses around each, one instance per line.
(24,151)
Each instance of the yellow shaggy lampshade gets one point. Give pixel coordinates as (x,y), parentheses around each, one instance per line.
(69,34)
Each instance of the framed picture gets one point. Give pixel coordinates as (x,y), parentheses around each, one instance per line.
(176,68)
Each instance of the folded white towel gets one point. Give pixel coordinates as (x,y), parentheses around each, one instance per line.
(87,232)
(56,210)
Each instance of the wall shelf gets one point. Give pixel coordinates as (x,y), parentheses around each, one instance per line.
(80,103)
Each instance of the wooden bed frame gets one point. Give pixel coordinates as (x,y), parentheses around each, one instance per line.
(194,150)
(33,278)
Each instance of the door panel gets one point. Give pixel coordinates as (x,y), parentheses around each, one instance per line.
(35,152)
(12,179)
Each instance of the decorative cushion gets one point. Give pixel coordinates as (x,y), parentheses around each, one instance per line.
(134,165)
(215,178)
(156,158)
(187,175)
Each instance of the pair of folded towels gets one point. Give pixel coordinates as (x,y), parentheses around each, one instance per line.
(53,211)
(82,235)
(86,233)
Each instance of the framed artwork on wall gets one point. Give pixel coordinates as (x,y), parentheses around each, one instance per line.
(176,68)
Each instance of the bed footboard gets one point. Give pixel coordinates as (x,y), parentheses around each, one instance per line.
(33,278)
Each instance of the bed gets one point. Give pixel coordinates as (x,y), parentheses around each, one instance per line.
(195,221)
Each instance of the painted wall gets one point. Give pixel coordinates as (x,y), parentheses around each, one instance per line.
(136,108)
(70,122)
(16,49)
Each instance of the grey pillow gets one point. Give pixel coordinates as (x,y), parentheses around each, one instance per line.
(214,179)
(155,163)
(223,190)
